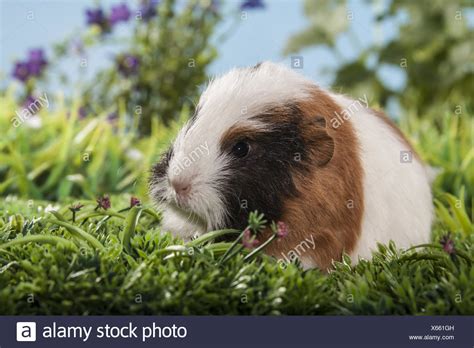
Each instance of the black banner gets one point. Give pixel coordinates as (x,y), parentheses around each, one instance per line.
(226,331)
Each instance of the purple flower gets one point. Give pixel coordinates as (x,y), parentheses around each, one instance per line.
(36,55)
(252,4)
(112,117)
(128,64)
(36,61)
(134,201)
(103,202)
(282,230)
(76,207)
(148,9)
(249,240)
(119,13)
(82,112)
(29,100)
(21,71)
(448,244)
(96,17)
(33,66)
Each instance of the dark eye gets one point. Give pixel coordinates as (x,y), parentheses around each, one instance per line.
(241,149)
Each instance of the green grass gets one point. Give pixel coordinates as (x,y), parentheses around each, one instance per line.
(119,262)
(108,262)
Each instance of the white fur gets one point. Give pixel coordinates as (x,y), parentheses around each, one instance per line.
(228,100)
(397,196)
(398,204)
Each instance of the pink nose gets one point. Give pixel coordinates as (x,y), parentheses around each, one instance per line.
(182,188)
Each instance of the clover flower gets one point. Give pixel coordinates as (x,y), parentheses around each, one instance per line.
(74,209)
(134,201)
(448,244)
(249,240)
(282,230)
(103,202)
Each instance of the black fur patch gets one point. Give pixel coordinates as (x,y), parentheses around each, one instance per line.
(158,171)
(264,178)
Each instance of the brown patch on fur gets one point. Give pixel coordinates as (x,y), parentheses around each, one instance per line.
(330,204)
(382,116)
(240,132)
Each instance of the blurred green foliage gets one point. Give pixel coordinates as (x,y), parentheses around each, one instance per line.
(434,48)
(172,63)
(155,69)
(448,149)
(54,155)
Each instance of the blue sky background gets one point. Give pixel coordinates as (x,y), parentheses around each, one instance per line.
(261,36)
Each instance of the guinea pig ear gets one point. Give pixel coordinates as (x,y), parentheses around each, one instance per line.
(321,143)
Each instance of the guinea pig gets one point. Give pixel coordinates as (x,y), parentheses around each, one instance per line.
(340,175)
